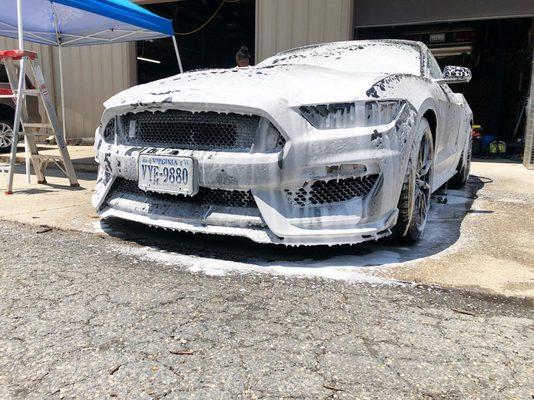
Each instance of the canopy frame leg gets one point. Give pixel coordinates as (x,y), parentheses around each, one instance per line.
(177,54)
(62,90)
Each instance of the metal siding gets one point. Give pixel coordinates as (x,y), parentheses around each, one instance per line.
(283,24)
(528,159)
(91,74)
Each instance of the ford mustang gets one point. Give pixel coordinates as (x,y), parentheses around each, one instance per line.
(335,143)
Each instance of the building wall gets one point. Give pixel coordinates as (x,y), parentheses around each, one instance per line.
(91,75)
(284,24)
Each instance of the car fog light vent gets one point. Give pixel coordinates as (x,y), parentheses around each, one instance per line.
(324,192)
(274,141)
(109,131)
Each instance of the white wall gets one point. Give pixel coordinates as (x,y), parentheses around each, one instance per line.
(91,75)
(284,24)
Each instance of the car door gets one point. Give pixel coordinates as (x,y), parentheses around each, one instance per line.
(447,139)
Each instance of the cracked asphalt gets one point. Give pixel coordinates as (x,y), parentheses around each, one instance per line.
(79,319)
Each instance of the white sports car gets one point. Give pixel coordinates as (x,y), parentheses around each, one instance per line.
(327,144)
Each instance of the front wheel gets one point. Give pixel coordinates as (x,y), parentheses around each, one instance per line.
(6,135)
(414,201)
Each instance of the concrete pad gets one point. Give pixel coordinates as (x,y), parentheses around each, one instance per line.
(83,157)
(55,204)
(494,250)
(480,240)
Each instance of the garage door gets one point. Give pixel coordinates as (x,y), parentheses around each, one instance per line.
(369,13)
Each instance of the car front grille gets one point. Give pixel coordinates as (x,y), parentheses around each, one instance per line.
(332,191)
(205,196)
(190,130)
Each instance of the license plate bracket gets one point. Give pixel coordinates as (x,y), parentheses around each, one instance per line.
(167,174)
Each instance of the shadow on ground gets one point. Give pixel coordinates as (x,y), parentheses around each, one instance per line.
(51,172)
(442,231)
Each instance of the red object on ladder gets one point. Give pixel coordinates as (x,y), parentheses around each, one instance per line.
(16,55)
(29,62)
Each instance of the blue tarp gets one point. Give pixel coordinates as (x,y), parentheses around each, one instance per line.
(82,22)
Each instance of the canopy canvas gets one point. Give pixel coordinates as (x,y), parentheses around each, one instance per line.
(82,22)
(67,23)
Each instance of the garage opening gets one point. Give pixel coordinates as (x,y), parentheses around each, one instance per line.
(499,52)
(209,33)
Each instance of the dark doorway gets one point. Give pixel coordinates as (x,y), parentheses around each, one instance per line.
(500,56)
(209,33)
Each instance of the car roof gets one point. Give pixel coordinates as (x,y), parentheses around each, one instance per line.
(345,47)
(342,44)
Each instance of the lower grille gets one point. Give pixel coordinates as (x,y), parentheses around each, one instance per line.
(332,191)
(205,196)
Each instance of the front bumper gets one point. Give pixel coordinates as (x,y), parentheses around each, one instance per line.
(274,180)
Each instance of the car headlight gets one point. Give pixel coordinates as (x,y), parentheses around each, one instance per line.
(351,115)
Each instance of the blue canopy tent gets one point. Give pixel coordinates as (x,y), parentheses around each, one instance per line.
(66,23)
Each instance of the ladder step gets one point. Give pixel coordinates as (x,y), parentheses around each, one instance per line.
(36,125)
(33,135)
(28,92)
(48,157)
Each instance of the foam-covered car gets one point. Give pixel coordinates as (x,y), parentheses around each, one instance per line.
(328,144)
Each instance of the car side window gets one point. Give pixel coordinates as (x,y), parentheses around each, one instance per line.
(433,67)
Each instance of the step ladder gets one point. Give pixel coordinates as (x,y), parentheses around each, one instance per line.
(31,130)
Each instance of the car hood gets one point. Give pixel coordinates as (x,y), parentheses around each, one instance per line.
(252,87)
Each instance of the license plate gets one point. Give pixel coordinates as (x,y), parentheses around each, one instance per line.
(166,174)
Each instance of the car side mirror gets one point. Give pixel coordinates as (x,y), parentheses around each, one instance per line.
(453,74)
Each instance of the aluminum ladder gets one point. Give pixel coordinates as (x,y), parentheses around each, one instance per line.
(29,66)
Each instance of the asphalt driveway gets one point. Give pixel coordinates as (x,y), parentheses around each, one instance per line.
(82,316)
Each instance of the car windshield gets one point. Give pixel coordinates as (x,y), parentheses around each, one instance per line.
(360,56)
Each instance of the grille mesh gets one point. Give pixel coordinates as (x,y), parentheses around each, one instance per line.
(219,197)
(192,131)
(332,191)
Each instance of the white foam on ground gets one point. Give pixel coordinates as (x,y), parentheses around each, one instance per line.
(347,268)
(439,239)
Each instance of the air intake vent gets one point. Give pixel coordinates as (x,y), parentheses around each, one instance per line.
(332,191)
(219,197)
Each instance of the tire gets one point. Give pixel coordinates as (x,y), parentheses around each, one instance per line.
(6,134)
(459,180)
(414,200)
